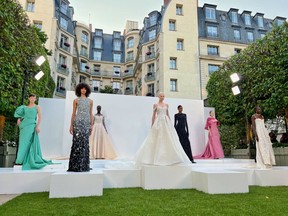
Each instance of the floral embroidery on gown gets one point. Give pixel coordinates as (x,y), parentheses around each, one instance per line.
(264,152)
(79,156)
(162,146)
(100,144)
(213,148)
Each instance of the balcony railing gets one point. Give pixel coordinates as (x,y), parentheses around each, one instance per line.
(150,76)
(83,53)
(149,55)
(124,74)
(128,91)
(63,69)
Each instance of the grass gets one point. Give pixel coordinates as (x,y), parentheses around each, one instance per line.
(136,201)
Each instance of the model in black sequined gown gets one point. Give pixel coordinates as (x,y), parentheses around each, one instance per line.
(181,126)
(79,156)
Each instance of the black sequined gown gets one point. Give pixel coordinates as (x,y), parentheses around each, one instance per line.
(79,156)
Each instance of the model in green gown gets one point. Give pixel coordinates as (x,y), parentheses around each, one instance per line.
(29,151)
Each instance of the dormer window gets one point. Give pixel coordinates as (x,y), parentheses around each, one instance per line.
(260,21)
(234,17)
(279,20)
(153,19)
(98,32)
(210,13)
(247,19)
(116,34)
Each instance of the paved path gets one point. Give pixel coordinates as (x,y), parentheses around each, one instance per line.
(5,198)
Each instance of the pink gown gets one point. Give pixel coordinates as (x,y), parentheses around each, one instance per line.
(100,144)
(213,148)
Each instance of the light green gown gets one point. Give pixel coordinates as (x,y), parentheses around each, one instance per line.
(29,151)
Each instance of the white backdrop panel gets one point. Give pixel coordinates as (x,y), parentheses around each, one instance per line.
(127,118)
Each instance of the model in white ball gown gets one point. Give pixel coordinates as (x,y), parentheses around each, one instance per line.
(100,144)
(264,152)
(162,146)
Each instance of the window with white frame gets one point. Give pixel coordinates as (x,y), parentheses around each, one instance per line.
(151,68)
(152,34)
(153,19)
(62,60)
(116,34)
(262,35)
(63,23)
(173,63)
(98,32)
(129,84)
(95,85)
(212,50)
(38,24)
(117,45)
(116,85)
(210,13)
(60,84)
(84,37)
(82,79)
(130,56)
(116,71)
(30,5)
(260,21)
(247,18)
(180,44)
(130,68)
(84,51)
(172,25)
(212,68)
(151,89)
(83,65)
(179,9)
(116,57)
(64,7)
(173,85)
(250,36)
(98,42)
(237,34)
(130,42)
(234,17)
(64,39)
(97,68)
(97,55)
(212,31)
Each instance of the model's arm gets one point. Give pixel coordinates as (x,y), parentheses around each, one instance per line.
(168,111)
(91,115)
(175,120)
(207,126)
(254,127)
(186,124)
(38,119)
(73,115)
(154,113)
(104,124)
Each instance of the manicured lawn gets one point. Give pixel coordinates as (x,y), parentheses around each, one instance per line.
(136,201)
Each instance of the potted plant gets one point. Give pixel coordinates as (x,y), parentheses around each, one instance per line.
(87,67)
(66,44)
(117,72)
(149,73)
(62,88)
(126,71)
(63,65)
(148,53)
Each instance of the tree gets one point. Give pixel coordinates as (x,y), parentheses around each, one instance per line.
(263,67)
(107,89)
(19,41)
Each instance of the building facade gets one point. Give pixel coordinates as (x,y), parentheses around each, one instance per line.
(175,52)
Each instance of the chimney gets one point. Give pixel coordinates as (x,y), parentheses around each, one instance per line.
(166,2)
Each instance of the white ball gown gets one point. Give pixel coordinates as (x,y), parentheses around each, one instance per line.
(264,152)
(162,146)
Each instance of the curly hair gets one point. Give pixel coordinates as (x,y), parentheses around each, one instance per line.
(81,86)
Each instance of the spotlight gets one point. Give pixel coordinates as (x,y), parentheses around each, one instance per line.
(234,77)
(40,60)
(39,75)
(236,90)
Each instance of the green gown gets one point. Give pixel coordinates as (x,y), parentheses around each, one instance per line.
(29,151)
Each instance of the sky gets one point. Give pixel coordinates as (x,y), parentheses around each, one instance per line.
(111,15)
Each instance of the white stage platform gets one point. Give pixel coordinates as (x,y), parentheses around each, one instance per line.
(210,176)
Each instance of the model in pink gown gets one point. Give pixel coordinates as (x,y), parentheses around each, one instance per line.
(213,149)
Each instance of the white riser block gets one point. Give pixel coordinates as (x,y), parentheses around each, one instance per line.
(272,177)
(24,182)
(249,172)
(73,184)
(166,177)
(122,178)
(220,182)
